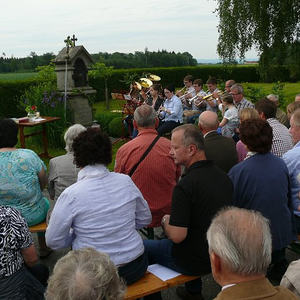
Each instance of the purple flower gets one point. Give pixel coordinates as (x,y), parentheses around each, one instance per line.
(26,101)
(53,104)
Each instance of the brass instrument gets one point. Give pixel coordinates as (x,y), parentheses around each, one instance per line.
(210,96)
(191,100)
(138,85)
(153,77)
(181,90)
(145,82)
(183,96)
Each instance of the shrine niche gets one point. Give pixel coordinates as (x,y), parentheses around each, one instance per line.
(71,65)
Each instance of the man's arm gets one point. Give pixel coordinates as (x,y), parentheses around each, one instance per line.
(175,233)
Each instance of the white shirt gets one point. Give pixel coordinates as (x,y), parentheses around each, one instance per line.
(101,210)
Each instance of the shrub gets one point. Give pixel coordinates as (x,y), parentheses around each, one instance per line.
(104,118)
(10,93)
(49,102)
(116,128)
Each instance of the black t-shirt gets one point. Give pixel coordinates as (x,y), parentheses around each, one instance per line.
(196,199)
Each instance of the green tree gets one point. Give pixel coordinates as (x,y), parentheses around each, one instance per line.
(267,25)
(101,70)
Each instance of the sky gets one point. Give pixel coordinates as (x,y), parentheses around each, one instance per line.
(110,26)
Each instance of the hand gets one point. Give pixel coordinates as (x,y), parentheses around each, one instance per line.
(165,220)
(299,208)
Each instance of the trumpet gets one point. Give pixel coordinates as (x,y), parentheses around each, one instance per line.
(191,100)
(181,90)
(210,96)
(183,96)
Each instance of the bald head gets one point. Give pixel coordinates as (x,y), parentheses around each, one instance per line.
(208,121)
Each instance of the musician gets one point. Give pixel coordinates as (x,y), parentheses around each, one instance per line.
(189,91)
(170,112)
(211,103)
(131,104)
(197,103)
(228,84)
(155,99)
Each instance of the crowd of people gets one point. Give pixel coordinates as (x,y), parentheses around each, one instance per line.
(225,191)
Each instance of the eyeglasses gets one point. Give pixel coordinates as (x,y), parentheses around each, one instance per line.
(232,94)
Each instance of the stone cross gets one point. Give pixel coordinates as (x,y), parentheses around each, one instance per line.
(73,39)
(68,43)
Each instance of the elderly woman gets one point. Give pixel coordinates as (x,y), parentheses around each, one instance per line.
(22,176)
(62,170)
(261,182)
(93,268)
(101,210)
(20,277)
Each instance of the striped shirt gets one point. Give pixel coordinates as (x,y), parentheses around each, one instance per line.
(243,104)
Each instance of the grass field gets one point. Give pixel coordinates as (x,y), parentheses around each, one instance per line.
(17,76)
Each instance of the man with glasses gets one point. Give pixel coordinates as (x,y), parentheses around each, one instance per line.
(240,102)
(228,84)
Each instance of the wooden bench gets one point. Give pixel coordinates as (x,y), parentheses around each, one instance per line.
(150,284)
(41,227)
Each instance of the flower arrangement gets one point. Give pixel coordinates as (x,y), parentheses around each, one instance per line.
(31,109)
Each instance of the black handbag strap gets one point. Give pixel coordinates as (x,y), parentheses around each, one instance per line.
(144,155)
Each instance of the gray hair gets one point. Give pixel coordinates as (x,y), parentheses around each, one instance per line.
(273,97)
(296,117)
(83,275)
(238,87)
(145,116)
(191,135)
(242,239)
(71,133)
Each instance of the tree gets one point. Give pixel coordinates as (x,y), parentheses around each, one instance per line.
(101,70)
(262,24)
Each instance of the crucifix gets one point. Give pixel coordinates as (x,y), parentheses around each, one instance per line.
(68,43)
(73,39)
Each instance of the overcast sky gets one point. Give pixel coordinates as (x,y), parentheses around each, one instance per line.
(110,26)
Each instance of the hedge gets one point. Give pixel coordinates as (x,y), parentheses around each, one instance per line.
(10,93)
(240,73)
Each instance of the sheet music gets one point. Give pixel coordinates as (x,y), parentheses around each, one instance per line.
(162,272)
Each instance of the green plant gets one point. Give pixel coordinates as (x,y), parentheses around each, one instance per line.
(277,89)
(115,128)
(101,70)
(50,103)
(253,93)
(104,118)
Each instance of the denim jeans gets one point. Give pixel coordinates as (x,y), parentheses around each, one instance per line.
(134,270)
(160,252)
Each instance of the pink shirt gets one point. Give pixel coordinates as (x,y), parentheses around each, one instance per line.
(156,175)
(241,150)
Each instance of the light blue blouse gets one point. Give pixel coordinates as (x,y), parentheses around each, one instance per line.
(19,184)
